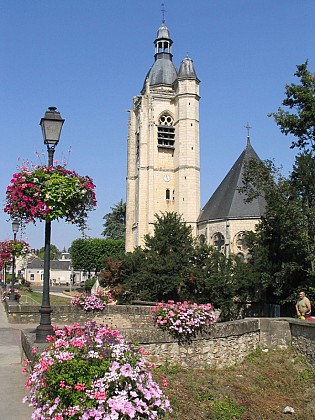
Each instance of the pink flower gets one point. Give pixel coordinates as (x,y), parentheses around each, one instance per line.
(79,387)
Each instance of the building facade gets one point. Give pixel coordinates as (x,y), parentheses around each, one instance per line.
(163,169)
(163,161)
(61,272)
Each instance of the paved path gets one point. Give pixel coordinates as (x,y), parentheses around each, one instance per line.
(12,381)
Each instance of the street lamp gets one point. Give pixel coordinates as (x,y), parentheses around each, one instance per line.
(15,229)
(51,125)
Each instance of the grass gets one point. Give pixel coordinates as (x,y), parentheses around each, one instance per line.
(258,388)
(37,296)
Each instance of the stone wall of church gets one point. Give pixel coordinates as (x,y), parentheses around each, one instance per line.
(229,229)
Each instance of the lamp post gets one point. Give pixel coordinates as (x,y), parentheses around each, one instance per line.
(15,229)
(51,125)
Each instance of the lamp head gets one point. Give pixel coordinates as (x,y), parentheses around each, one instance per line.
(15,225)
(51,125)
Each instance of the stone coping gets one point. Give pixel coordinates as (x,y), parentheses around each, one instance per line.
(152,335)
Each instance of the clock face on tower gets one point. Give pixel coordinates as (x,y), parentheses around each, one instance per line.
(167,178)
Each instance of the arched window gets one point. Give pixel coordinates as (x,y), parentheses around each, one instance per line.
(240,241)
(167,195)
(218,241)
(166,131)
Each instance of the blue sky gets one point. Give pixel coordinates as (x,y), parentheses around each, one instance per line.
(90,57)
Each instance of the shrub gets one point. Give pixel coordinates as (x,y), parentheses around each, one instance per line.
(89,284)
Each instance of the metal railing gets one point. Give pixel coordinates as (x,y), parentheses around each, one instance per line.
(28,300)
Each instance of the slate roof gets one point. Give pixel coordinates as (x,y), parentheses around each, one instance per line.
(187,69)
(163,71)
(37,263)
(226,202)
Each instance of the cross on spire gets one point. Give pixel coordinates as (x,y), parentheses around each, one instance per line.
(248,127)
(163,12)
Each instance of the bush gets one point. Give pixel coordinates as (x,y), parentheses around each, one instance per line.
(89,284)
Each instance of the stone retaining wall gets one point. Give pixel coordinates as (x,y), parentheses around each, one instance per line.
(224,343)
(303,339)
(115,316)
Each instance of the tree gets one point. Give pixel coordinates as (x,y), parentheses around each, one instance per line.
(282,249)
(89,254)
(54,252)
(300,99)
(173,265)
(115,222)
(163,265)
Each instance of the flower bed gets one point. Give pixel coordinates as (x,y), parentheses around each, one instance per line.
(92,303)
(90,373)
(50,193)
(183,319)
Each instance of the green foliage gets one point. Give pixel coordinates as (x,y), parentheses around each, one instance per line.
(173,266)
(54,252)
(300,100)
(227,409)
(307,375)
(157,272)
(283,248)
(89,283)
(253,356)
(89,254)
(115,222)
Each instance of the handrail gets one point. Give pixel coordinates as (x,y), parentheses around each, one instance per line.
(33,301)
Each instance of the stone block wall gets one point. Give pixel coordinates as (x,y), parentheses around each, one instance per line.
(222,345)
(203,350)
(115,316)
(303,339)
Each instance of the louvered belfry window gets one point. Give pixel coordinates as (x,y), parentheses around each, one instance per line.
(166,132)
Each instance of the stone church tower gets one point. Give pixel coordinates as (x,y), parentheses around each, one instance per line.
(163,169)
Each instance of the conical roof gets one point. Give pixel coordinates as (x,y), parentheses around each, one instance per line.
(187,69)
(226,202)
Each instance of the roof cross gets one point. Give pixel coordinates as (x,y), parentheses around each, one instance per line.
(163,12)
(248,127)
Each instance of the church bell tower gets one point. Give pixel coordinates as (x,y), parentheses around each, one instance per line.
(163,162)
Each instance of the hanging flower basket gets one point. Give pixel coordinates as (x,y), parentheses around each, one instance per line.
(9,248)
(50,193)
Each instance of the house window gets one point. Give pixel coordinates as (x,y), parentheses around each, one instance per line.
(32,277)
(167,194)
(166,132)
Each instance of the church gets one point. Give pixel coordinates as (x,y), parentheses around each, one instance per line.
(163,161)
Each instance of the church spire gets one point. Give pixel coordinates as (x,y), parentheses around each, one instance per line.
(163,42)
